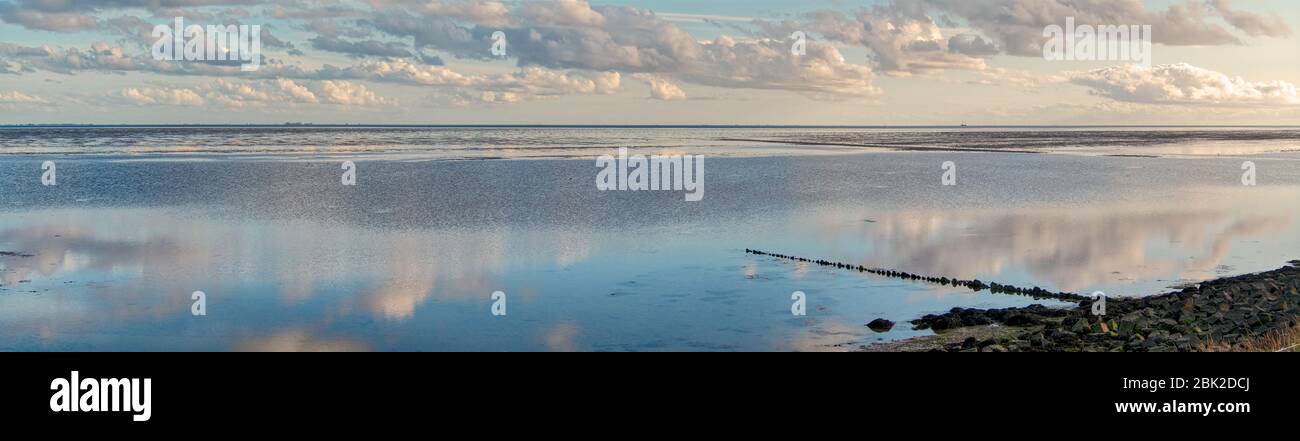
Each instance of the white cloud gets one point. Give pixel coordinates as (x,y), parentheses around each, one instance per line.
(527,84)
(490,13)
(255,94)
(400,71)
(662,89)
(168,96)
(570,47)
(350,94)
(562,13)
(16,97)
(1254,25)
(903,39)
(298,92)
(536,83)
(1017,25)
(1183,84)
(821,73)
(573,35)
(55,22)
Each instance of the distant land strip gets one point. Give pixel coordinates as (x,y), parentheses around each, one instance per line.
(643,126)
(901,148)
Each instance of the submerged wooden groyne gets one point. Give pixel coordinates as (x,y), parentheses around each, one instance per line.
(974,285)
(1231,312)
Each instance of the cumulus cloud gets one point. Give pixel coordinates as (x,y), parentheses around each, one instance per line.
(104,57)
(350,94)
(536,83)
(273,92)
(972,45)
(134,29)
(571,36)
(16,97)
(571,47)
(822,72)
(161,96)
(100,5)
(80,15)
(18,51)
(101,56)
(1254,25)
(1017,25)
(333,28)
(254,94)
(7,68)
(902,37)
(359,49)
(661,89)
(55,22)
(574,35)
(399,71)
(314,12)
(562,13)
(528,84)
(1183,84)
(486,12)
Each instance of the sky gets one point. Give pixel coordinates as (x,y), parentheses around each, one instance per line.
(900,62)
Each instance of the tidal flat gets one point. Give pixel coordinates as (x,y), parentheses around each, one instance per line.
(407,260)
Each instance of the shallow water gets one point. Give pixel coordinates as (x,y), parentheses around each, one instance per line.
(408,259)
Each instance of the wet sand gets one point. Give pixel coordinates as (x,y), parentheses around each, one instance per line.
(408,259)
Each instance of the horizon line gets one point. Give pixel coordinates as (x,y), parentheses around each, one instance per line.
(633,126)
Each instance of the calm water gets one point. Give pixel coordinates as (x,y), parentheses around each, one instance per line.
(408,259)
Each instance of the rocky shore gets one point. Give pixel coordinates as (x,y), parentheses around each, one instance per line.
(1221,312)
(1218,312)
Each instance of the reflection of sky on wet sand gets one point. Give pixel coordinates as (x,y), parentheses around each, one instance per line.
(102,265)
(1208,148)
(1076,249)
(308,267)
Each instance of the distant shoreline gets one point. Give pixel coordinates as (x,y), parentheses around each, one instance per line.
(639,126)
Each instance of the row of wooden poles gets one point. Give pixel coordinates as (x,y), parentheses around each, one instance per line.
(974,285)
